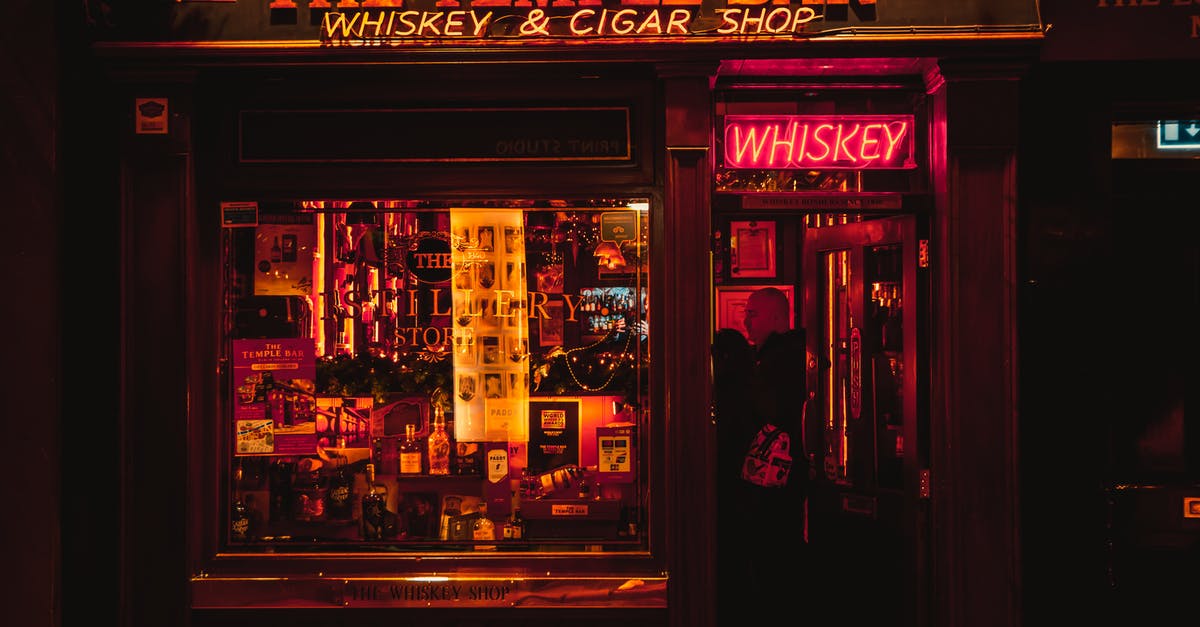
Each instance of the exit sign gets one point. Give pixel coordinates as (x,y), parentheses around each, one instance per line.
(1183,134)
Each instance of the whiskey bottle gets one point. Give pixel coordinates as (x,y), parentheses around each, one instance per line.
(439,445)
(514,527)
(373,509)
(239,515)
(340,496)
(310,497)
(410,452)
(483,528)
(276,251)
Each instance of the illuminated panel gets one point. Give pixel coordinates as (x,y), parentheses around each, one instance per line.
(1179,134)
(791,142)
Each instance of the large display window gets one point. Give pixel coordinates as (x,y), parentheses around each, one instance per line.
(417,377)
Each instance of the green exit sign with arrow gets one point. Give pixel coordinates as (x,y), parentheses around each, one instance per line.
(1179,134)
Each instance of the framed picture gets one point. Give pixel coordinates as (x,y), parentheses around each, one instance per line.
(731,305)
(752,249)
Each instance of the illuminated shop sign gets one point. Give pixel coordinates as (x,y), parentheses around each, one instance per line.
(390,22)
(485,23)
(788,142)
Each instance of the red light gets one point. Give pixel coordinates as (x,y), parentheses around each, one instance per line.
(790,142)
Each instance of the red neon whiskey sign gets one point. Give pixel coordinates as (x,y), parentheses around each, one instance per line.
(831,142)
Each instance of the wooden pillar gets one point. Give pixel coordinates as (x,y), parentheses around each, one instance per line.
(683,318)
(156,351)
(976,549)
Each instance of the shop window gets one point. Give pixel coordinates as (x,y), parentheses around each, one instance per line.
(410,376)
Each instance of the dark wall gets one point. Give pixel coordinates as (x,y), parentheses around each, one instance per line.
(90,241)
(29,170)
(1107,304)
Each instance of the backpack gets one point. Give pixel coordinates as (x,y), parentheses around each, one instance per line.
(768,461)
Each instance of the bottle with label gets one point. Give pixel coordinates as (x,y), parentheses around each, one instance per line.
(483,528)
(239,514)
(373,509)
(555,482)
(409,452)
(514,527)
(439,445)
(310,497)
(340,496)
(276,251)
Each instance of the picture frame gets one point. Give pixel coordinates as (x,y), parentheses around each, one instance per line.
(731,305)
(752,249)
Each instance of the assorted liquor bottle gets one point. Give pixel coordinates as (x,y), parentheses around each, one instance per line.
(306,498)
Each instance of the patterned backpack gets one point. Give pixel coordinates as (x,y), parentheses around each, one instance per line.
(768,461)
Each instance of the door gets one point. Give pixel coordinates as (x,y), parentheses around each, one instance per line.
(866,442)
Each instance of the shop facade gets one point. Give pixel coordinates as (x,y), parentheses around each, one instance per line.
(347,228)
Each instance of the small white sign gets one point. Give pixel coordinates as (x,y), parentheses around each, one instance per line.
(150,116)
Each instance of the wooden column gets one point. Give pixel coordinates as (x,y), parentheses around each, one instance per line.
(683,319)
(156,353)
(976,552)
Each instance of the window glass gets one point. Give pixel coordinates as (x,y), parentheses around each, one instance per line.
(420,376)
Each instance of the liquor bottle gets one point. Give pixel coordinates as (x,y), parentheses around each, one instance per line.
(276,251)
(239,515)
(439,445)
(281,473)
(514,527)
(557,480)
(373,509)
(483,528)
(310,497)
(340,497)
(410,452)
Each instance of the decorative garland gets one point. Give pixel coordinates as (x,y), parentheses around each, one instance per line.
(413,372)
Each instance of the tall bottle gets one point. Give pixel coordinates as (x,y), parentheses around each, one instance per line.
(410,452)
(239,514)
(483,527)
(276,251)
(373,509)
(340,496)
(439,445)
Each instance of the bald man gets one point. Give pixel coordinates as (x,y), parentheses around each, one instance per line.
(759,385)
(767,311)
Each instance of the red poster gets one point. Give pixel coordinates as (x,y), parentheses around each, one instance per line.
(274,409)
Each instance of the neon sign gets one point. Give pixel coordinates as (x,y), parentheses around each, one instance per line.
(383,23)
(790,142)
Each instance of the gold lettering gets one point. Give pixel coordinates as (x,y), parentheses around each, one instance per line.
(538,306)
(504,303)
(572,306)
(434,294)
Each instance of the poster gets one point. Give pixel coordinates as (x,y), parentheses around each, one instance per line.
(283,259)
(274,412)
(553,433)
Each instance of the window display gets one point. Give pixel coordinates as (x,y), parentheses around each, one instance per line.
(424,376)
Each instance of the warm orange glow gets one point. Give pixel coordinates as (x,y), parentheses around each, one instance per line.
(320,304)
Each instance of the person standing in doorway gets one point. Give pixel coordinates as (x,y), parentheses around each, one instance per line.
(758,379)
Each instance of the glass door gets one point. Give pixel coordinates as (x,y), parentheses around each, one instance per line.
(862,427)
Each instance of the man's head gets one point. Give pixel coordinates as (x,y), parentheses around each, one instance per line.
(767,312)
